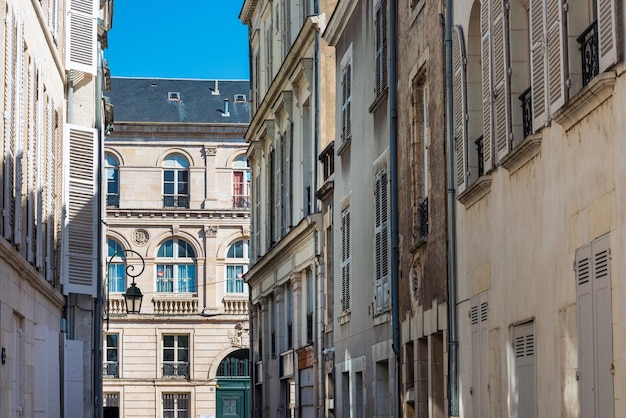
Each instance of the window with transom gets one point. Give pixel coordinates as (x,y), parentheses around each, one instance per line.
(176,182)
(112,171)
(176,267)
(237,260)
(241,183)
(116,267)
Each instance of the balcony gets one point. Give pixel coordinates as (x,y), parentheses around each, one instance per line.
(527,112)
(116,304)
(175,304)
(176,201)
(110,369)
(241,202)
(588,41)
(236,304)
(177,370)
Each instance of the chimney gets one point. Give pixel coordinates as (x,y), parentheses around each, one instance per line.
(225,112)
(216,89)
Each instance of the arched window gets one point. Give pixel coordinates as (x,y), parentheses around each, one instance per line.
(241,183)
(176,267)
(235,365)
(117,266)
(237,260)
(175,182)
(112,168)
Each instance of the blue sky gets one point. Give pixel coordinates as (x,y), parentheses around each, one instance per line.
(181,39)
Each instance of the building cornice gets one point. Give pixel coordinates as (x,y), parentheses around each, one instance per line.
(247,11)
(30,274)
(338,21)
(165,217)
(283,78)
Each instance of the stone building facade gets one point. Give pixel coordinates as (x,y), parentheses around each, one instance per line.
(177,214)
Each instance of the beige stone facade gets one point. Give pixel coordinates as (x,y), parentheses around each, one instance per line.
(194,240)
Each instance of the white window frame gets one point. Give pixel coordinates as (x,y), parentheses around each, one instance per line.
(174,163)
(242,262)
(176,261)
(346,96)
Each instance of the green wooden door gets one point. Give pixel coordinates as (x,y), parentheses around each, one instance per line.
(233,399)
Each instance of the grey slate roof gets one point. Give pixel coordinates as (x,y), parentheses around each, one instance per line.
(147,100)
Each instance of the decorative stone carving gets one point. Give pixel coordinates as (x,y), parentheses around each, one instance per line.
(140,236)
(240,336)
(210,151)
(210,231)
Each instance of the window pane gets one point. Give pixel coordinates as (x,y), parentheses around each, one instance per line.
(111,340)
(112,354)
(168,176)
(183,176)
(168,341)
(168,188)
(167,249)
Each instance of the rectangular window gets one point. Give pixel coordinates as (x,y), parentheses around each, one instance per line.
(382,404)
(111,356)
(381,48)
(272,307)
(289,308)
(234,279)
(176,356)
(345,394)
(309,307)
(381,242)
(346,101)
(176,405)
(524,396)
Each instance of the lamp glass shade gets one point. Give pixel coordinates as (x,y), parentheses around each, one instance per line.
(133,298)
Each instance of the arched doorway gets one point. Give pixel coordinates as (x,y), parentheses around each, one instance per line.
(233,386)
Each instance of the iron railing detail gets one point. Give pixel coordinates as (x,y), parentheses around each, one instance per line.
(588,41)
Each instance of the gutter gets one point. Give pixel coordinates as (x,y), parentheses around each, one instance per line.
(393,168)
(453,344)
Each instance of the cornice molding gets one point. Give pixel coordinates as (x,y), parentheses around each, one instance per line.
(338,21)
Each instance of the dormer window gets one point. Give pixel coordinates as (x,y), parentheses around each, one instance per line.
(173,95)
(240,98)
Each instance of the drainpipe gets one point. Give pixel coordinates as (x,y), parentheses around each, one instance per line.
(453,344)
(97,311)
(393,168)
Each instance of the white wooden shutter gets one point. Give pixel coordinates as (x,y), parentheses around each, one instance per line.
(556,54)
(40,185)
(607,33)
(51,191)
(257,218)
(525,395)
(80,258)
(19,132)
(381,243)
(345,260)
(73,384)
(479,309)
(487,90)
(585,330)
(53,17)
(9,121)
(459,91)
(346,101)
(81,41)
(31,155)
(501,78)
(538,64)
(603,327)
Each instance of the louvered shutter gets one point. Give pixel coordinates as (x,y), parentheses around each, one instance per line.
(502,78)
(479,309)
(525,397)
(53,17)
(556,54)
(603,327)
(607,33)
(460,107)
(81,46)
(381,47)
(346,76)
(585,330)
(50,185)
(345,260)
(538,64)
(20,72)
(40,176)
(381,243)
(31,155)
(257,218)
(487,96)
(80,258)
(9,121)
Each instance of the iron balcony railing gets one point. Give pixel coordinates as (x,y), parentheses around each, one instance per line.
(179,370)
(588,41)
(527,112)
(172,201)
(480,152)
(110,369)
(241,202)
(327,157)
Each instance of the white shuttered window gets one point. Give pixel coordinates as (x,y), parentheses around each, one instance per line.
(81,41)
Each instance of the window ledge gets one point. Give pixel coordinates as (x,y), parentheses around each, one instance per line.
(344,318)
(378,100)
(586,100)
(523,153)
(345,145)
(479,189)
(382,318)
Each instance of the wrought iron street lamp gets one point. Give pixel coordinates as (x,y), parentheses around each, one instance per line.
(133,296)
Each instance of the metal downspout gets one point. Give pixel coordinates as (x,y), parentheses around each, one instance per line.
(97,311)
(453,344)
(393,168)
